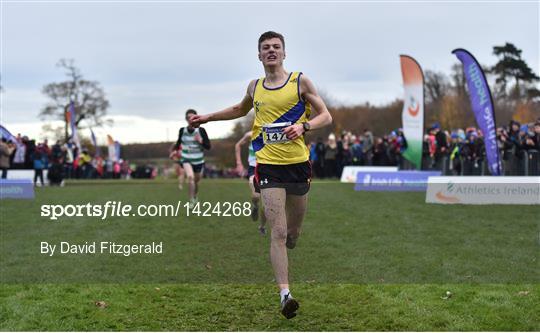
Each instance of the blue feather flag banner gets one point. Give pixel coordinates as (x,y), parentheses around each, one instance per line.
(7,134)
(482,106)
(94,142)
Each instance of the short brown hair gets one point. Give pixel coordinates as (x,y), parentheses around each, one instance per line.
(190,111)
(270,35)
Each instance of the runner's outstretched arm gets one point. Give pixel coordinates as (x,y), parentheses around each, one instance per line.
(232,112)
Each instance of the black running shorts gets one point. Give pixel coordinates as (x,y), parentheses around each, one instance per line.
(197,168)
(294,178)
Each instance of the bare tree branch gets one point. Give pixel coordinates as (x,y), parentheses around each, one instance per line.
(88,97)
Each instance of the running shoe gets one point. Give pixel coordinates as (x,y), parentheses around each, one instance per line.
(193,202)
(289,306)
(254,212)
(291,242)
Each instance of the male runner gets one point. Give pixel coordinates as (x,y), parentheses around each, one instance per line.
(283,102)
(252,162)
(193,142)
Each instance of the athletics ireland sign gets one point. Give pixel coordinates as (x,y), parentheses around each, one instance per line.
(484,190)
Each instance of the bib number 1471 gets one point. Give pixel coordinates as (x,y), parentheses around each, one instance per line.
(275,137)
(273,133)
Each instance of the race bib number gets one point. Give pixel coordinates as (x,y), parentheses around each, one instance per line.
(273,133)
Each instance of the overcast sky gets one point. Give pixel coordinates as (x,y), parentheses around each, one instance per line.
(155,60)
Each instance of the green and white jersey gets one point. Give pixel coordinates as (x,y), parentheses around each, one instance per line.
(252,160)
(192,151)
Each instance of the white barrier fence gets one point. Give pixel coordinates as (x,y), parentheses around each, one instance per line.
(25,174)
(484,190)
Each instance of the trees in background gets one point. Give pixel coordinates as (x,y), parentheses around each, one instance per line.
(447,101)
(512,81)
(515,92)
(511,68)
(88,97)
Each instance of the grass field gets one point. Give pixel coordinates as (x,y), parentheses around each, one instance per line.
(366,261)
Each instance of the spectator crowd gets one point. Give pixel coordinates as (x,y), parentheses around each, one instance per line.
(60,160)
(328,158)
(454,152)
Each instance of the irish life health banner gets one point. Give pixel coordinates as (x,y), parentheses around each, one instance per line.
(413,109)
(482,106)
